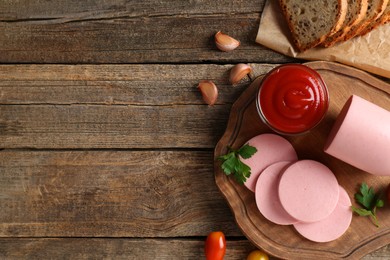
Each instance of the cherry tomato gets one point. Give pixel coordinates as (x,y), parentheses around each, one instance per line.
(215,246)
(257,255)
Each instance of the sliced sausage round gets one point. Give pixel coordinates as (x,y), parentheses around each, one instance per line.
(267,198)
(308,191)
(271,148)
(332,227)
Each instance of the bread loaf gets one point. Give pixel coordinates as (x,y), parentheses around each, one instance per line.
(374,11)
(356,12)
(310,22)
(385,18)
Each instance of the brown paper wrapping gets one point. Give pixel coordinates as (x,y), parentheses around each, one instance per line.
(370,52)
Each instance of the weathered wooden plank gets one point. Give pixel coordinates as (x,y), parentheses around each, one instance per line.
(113,106)
(117,84)
(159,39)
(125,248)
(94,126)
(70,10)
(80,248)
(128,31)
(110,194)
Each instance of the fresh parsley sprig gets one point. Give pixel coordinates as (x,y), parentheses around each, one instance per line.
(232,163)
(370,202)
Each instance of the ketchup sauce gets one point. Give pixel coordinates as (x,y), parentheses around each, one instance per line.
(292,99)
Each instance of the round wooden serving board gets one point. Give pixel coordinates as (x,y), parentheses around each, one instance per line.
(244,123)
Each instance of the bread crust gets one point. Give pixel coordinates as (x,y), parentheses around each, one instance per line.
(362,14)
(342,14)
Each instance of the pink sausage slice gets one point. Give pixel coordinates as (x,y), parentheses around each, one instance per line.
(308,191)
(332,227)
(267,198)
(271,148)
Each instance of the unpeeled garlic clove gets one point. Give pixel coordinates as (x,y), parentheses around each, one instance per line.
(224,42)
(209,91)
(238,72)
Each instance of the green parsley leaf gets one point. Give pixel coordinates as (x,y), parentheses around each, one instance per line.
(370,202)
(229,165)
(362,212)
(380,203)
(366,196)
(247,151)
(232,163)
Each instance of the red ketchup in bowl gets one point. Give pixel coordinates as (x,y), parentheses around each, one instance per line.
(292,99)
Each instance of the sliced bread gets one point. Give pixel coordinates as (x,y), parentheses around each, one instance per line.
(355,14)
(374,11)
(385,18)
(310,22)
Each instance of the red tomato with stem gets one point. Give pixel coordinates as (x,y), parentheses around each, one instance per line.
(215,246)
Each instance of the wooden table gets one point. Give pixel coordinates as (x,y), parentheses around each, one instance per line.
(106,146)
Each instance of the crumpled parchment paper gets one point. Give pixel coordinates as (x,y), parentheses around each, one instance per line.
(370,52)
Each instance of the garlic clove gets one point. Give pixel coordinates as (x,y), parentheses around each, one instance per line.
(224,42)
(238,72)
(209,91)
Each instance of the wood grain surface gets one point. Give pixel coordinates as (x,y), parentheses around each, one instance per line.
(110,193)
(113,106)
(106,146)
(129,31)
(75,248)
